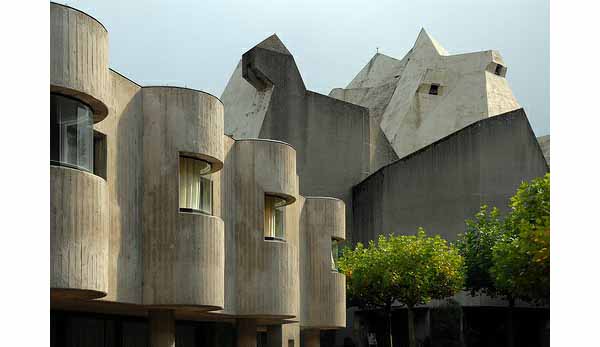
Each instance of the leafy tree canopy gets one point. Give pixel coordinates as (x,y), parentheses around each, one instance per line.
(475,245)
(511,256)
(410,269)
(521,258)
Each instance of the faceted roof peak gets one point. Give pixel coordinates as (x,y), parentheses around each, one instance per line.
(424,39)
(273,43)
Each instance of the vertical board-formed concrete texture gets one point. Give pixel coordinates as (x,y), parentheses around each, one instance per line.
(323,301)
(471,87)
(266,97)
(183,252)
(444,183)
(79,58)
(124,177)
(266,278)
(78,234)
(407,143)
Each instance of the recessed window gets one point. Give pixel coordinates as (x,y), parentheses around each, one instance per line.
(274,216)
(100,150)
(335,249)
(71,133)
(434,89)
(498,70)
(195,188)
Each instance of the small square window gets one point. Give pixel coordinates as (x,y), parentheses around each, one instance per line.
(434,89)
(498,70)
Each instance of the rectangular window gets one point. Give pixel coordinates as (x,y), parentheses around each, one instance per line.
(195,189)
(274,217)
(334,254)
(434,89)
(498,70)
(100,150)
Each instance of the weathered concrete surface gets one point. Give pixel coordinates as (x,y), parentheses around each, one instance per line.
(124,177)
(183,252)
(267,98)
(323,291)
(262,275)
(397,93)
(444,183)
(79,58)
(78,234)
(545,146)
(124,236)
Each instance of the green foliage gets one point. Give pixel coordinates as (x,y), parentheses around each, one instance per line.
(411,269)
(475,245)
(521,258)
(511,256)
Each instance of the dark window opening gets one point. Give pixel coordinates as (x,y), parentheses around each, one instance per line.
(434,89)
(71,133)
(498,70)
(100,149)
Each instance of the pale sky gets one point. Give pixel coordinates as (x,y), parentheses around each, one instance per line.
(197,43)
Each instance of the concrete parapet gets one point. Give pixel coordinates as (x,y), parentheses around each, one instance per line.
(79,58)
(266,270)
(323,301)
(183,252)
(78,234)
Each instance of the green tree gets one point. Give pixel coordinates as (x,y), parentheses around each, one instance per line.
(412,270)
(521,258)
(476,245)
(510,257)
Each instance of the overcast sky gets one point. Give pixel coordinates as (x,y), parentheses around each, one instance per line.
(197,43)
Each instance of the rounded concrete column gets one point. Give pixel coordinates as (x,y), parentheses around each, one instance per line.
(246,332)
(79,58)
(79,234)
(162,328)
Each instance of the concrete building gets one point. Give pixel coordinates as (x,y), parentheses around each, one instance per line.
(421,141)
(164,230)
(181,219)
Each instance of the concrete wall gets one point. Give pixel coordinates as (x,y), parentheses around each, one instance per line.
(78,234)
(441,185)
(323,300)
(124,177)
(79,58)
(397,93)
(266,97)
(183,252)
(266,277)
(79,201)
(545,146)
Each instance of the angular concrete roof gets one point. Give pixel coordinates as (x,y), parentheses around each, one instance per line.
(273,43)
(470,87)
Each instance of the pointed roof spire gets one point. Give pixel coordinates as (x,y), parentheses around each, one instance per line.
(426,40)
(273,43)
